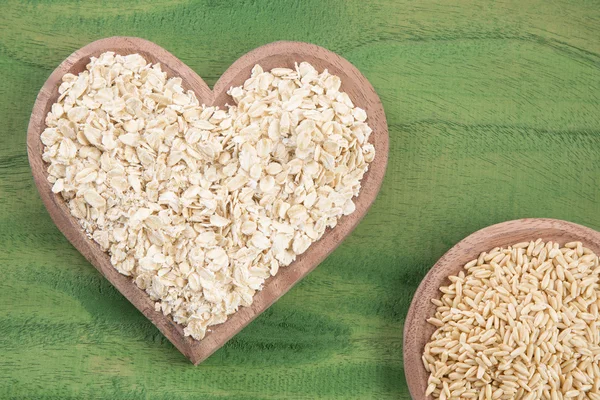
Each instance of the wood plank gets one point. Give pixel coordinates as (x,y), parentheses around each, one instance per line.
(494,113)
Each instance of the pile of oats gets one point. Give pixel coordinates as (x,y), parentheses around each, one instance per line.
(198,204)
(518,323)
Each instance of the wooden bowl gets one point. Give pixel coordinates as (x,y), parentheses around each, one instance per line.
(417,331)
(278,54)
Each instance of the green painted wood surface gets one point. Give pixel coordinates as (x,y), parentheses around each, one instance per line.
(494,114)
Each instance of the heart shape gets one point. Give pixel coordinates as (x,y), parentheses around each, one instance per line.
(277,54)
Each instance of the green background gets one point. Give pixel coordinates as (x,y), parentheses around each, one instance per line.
(494,114)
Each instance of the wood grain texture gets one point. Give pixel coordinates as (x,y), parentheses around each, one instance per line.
(493,110)
(275,55)
(417,331)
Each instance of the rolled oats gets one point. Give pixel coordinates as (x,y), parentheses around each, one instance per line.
(197,204)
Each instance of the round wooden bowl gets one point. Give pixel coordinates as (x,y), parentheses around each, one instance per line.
(417,331)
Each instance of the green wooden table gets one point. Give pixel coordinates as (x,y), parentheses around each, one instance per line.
(494,114)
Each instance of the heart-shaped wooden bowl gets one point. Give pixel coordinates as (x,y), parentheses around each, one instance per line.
(278,54)
(417,331)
